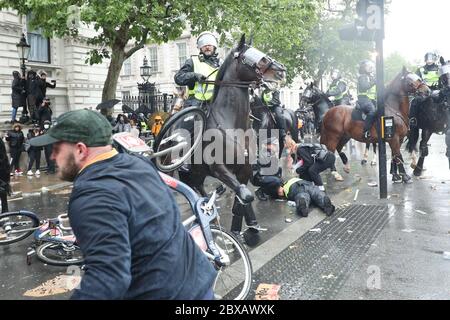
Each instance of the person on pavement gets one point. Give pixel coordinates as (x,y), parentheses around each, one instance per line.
(312,159)
(132,238)
(5,189)
(15,139)
(302,192)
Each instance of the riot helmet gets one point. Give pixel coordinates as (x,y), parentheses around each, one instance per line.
(430,58)
(366,67)
(206,39)
(335,75)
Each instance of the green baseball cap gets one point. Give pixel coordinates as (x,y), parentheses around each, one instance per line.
(87,126)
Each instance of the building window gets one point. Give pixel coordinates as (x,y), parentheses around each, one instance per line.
(40,45)
(182,53)
(153,58)
(126,68)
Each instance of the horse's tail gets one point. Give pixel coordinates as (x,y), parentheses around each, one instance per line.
(413,137)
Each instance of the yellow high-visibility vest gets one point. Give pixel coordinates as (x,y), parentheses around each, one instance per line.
(203,92)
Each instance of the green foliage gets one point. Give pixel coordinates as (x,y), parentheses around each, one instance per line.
(393,64)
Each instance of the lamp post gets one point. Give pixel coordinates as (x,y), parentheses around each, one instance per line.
(147,90)
(23,49)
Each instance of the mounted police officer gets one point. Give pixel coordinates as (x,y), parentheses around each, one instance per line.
(338,89)
(199,68)
(430,75)
(367,94)
(272,101)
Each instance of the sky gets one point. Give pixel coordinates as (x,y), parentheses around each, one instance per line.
(415,27)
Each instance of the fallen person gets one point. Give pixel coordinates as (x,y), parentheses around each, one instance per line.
(302,192)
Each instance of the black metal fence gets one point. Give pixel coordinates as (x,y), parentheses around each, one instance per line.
(153,103)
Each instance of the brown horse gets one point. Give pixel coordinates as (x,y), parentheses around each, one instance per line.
(342,123)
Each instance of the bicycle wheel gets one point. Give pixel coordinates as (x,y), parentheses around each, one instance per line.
(60,254)
(234,279)
(15,226)
(179,138)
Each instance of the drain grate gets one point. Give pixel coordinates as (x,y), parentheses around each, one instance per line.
(317,264)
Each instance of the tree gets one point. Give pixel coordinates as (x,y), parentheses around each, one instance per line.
(117,22)
(393,64)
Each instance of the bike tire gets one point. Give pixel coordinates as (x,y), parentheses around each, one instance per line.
(33,222)
(238,273)
(178,118)
(46,253)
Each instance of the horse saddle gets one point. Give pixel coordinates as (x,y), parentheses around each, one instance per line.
(358,114)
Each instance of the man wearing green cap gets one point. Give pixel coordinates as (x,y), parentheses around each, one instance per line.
(125,219)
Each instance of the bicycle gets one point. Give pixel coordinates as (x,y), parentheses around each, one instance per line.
(223,249)
(52,244)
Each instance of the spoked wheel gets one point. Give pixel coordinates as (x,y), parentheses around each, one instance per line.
(234,278)
(179,138)
(60,254)
(15,226)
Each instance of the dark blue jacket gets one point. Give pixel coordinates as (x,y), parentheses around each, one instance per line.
(128,226)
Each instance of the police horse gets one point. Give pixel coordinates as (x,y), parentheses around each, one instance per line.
(229,110)
(432,117)
(342,123)
(264,119)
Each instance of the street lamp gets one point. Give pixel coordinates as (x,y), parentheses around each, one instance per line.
(145,70)
(23,49)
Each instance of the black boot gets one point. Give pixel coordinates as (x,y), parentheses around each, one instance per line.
(261,195)
(301,207)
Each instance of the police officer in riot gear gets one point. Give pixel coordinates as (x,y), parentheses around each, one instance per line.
(198,69)
(338,89)
(272,101)
(367,94)
(430,75)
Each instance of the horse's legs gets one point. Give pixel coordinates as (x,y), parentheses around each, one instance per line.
(398,159)
(395,176)
(366,154)
(374,159)
(426,134)
(221,172)
(342,155)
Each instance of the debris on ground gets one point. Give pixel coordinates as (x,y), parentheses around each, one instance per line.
(330,276)
(316,230)
(433,187)
(372,184)
(288,220)
(267,291)
(356,195)
(57,285)
(421,212)
(341,219)
(291,203)
(446,255)
(408,230)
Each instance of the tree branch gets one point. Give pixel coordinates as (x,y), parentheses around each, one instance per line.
(139,45)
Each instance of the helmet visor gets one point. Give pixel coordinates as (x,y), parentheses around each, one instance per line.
(206,39)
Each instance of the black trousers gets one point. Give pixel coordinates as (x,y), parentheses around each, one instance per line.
(34,155)
(312,173)
(4,202)
(50,163)
(368,107)
(15,157)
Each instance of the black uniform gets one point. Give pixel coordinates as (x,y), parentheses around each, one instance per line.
(186,76)
(367,105)
(316,158)
(4,177)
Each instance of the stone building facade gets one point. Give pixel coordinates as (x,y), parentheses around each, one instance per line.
(79,85)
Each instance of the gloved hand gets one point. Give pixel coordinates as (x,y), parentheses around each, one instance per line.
(199,77)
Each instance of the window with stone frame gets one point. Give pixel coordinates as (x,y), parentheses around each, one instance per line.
(182,53)
(153,59)
(40,45)
(126,67)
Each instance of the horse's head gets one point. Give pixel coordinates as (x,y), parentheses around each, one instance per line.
(412,84)
(255,65)
(311,93)
(444,74)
